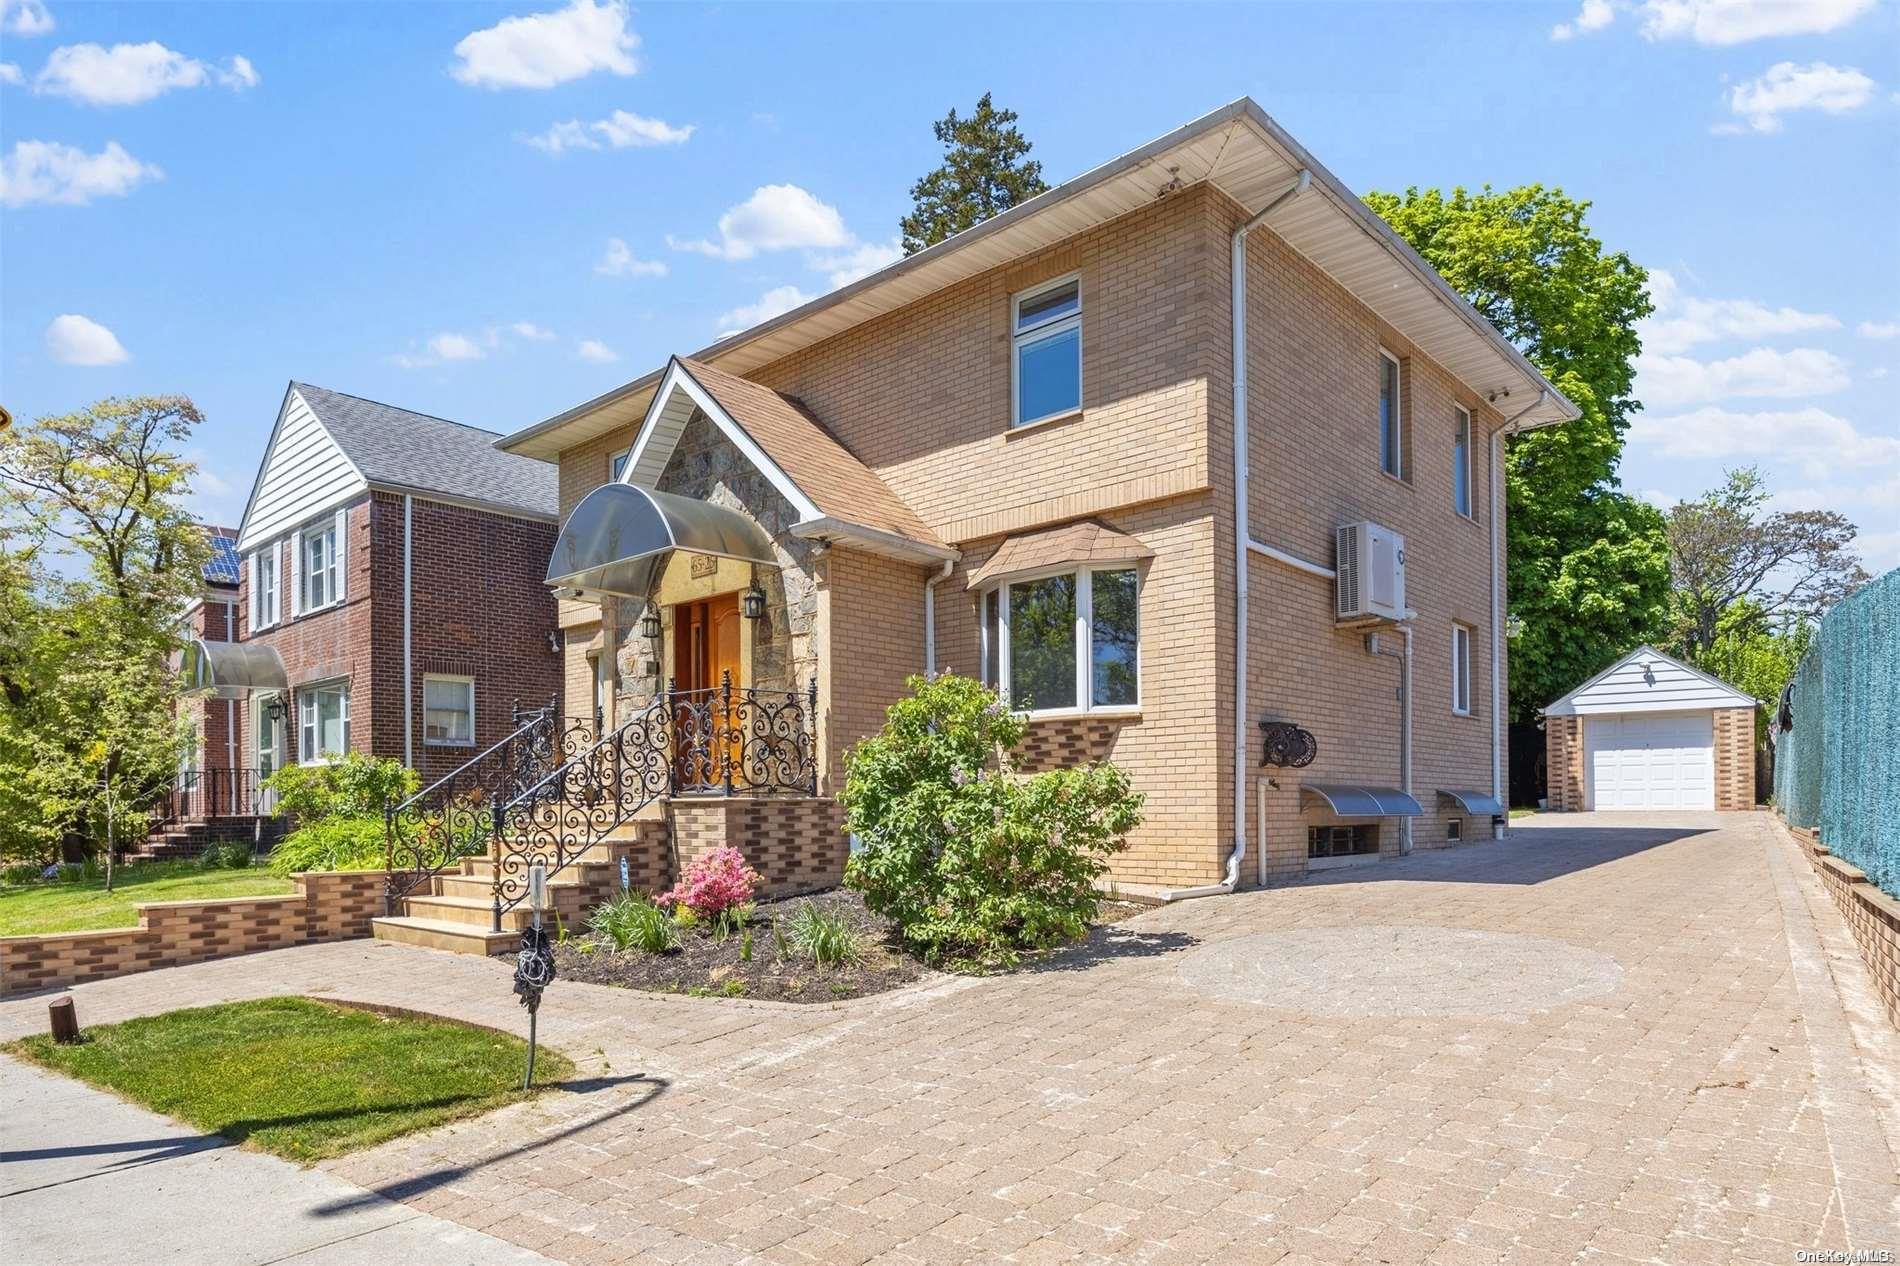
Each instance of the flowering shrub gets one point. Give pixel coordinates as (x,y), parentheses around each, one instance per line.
(715,883)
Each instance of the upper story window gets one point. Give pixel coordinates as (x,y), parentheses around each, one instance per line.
(319,573)
(1046,351)
(323,722)
(1070,642)
(448,711)
(1391,439)
(1461,670)
(618,467)
(1461,463)
(266,602)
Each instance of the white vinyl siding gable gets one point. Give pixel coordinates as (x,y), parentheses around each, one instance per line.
(304,472)
(1646,680)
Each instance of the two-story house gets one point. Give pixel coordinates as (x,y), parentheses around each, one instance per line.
(1274,596)
(390,596)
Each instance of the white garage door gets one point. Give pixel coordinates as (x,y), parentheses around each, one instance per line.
(1651,760)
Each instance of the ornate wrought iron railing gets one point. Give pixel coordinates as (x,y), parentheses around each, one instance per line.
(739,741)
(451,817)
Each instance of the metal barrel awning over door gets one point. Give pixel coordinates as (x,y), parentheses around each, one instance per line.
(1351,801)
(619,537)
(1476,803)
(231,670)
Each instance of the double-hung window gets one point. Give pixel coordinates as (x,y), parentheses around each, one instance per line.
(1461,463)
(448,711)
(1069,642)
(323,722)
(1391,438)
(264,595)
(1461,670)
(1046,351)
(319,567)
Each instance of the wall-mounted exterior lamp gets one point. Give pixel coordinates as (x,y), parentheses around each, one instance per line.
(752,601)
(276,709)
(650,624)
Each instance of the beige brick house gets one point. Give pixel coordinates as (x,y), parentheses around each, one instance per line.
(1014,455)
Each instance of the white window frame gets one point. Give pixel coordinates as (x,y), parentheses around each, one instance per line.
(1398,416)
(1461,669)
(267,601)
(457,679)
(997,656)
(1036,334)
(311,753)
(332,570)
(617,465)
(1461,490)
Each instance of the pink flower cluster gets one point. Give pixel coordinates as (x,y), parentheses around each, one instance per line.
(714,883)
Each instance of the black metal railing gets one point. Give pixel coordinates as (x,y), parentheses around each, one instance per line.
(450,818)
(200,794)
(740,741)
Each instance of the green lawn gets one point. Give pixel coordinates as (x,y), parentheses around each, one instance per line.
(80,907)
(304,1080)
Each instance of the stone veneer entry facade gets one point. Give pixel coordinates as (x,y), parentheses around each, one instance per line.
(882,440)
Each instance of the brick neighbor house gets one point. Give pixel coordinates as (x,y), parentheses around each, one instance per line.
(1274,598)
(389,590)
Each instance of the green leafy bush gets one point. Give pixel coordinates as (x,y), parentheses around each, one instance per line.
(332,844)
(21,873)
(226,855)
(972,860)
(824,936)
(630,921)
(353,786)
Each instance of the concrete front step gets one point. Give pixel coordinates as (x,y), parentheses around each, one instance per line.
(458,938)
(468,911)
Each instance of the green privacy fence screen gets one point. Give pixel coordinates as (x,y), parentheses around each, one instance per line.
(1838,768)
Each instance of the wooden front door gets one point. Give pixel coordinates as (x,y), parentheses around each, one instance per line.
(705,655)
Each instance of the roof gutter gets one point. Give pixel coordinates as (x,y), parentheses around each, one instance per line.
(1238,271)
(874,539)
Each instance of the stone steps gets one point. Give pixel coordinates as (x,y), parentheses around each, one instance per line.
(458,938)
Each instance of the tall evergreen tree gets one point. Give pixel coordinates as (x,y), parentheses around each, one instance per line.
(985,171)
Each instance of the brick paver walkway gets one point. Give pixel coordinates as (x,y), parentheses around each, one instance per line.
(1672,1060)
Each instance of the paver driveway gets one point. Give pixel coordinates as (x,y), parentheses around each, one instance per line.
(1606,1039)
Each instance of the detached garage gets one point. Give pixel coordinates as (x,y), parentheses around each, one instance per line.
(1651,733)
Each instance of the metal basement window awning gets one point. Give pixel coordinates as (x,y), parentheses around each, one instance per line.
(231,670)
(1476,803)
(619,538)
(1361,802)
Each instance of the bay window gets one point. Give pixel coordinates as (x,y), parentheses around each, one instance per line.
(1068,642)
(323,722)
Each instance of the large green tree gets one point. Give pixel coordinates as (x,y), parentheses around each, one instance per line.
(985,170)
(1588,568)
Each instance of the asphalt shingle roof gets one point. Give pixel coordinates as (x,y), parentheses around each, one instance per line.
(393,446)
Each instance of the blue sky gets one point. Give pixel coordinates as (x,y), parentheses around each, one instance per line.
(492,212)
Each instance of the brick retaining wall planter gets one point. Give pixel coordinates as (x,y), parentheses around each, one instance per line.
(1872,916)
(327,906)
(797,843)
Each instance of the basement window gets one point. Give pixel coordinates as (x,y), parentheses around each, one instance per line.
(1356,840)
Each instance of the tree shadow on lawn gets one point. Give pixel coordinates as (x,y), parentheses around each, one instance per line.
(408,1188)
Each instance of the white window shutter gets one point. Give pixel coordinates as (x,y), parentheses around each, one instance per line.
(250,570)
(342,553)
(296,574)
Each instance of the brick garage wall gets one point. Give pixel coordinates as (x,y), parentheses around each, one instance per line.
(1872,916)
(326,906)
(1735,758)
(1563,748)
(798,844)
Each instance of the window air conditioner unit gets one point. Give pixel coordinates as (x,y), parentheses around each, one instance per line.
(1370,563)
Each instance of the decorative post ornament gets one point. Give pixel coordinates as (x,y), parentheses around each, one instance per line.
(534,964)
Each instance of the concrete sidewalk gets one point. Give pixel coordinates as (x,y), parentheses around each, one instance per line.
(87,1179)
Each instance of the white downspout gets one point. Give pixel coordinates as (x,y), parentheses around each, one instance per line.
(930,615)
(1497,607)
(408,645)
(1238,270)
(1405,738)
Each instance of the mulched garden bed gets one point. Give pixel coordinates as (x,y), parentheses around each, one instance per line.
(705,966)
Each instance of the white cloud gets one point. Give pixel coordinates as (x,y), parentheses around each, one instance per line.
(541,50)
(47,171)
(1683,321)
(75,340)
(596,352)
(1786,87)
(1658,498)
(775,217)
(1878,329)
(860,261)
(10,74)
(1825,445)
(619,261)
(446,347)
(532,332)
(774,302)
(25,17)
(619,130)
(127,74)
(1663,381)
(1717,21)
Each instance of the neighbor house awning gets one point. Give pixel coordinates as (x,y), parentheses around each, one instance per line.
(1348,801)
(1478,803)
(1071,544)
(230,670)
(619,538)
